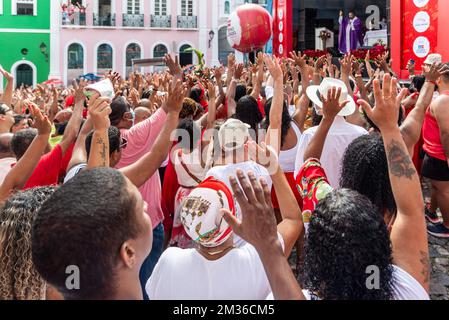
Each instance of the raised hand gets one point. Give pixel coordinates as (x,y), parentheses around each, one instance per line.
(388,102)
(40,122)
(346,65)
(231,60)
(273,67)
(258,224)
(176,94)
(263,155)
(319,63)
(411,68)
(99,111)
(435,72)
(211,90)
(79,91)
(238,71)
(173,65)
(331,104)
(8,76)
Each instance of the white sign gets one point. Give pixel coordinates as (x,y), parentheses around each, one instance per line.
(421,22)
(421,47)
(420,3)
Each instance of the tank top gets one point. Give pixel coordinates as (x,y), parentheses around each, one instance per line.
(431,135)
(287,158)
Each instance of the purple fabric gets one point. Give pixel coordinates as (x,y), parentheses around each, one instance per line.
(356,35)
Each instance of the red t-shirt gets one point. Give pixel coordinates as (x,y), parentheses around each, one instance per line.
(47,170)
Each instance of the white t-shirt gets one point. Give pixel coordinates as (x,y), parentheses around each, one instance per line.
(340,136)
(184,274)
(222,173)
(5,167)
(405,287)
(74,171)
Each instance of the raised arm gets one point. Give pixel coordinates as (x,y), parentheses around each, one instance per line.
(273,137)
(302,104)
(74,124)
(8,93)
(22,171)
(412,126)
(142,170)
(79,154)
(408,235)
(257,85)
(258,227)
(99,111)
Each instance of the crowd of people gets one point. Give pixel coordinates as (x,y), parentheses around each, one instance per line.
(199,183)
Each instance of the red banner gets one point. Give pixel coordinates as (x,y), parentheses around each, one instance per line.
(282,27)
(419,30)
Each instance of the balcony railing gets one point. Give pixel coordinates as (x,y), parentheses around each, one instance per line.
(77,19)
(187,22)
(104,20)
(160,21)
(133,20)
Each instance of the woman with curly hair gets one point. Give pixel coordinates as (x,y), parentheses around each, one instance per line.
(360,247)
(19,279)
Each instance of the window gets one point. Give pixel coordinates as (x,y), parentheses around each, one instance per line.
(133,6)
(185,58)
(133,51)
(227,7)
(160,51)
(160,7)
(104,58)
(186,7)
(24,7)
(75,61)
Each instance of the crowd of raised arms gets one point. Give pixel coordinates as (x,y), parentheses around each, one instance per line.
(199,183)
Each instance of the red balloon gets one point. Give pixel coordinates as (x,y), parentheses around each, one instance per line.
(249,28)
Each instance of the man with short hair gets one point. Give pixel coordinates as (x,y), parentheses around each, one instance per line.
(108,237)
(436,146)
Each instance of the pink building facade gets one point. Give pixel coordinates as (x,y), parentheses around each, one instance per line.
(107,34)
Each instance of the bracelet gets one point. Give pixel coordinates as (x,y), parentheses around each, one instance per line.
(358,76)
(432,82)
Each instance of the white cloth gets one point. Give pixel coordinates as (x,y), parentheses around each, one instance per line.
(340,135)
(222,173)
(74,171)
(184,274)
(193,162)
(291,110)
(405,287)
(269,92)
(287,158)
(5,167)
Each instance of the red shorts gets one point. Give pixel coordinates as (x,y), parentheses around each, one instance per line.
(291,181)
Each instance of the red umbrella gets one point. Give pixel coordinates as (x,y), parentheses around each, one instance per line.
(54,82)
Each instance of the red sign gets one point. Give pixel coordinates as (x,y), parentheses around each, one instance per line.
(282,27)
(419,30)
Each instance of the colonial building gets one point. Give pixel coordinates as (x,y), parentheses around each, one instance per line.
(25,41)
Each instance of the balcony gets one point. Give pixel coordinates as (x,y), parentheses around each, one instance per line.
(160,21)
(133,20)
(187,22)
(104,20)
(77,19)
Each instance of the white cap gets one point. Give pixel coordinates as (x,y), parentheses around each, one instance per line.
(434,58)
(233,134)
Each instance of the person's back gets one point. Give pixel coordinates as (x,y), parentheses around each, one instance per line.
(238,275)
(341,134)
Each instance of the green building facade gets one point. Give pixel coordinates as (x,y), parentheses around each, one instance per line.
(25,40)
